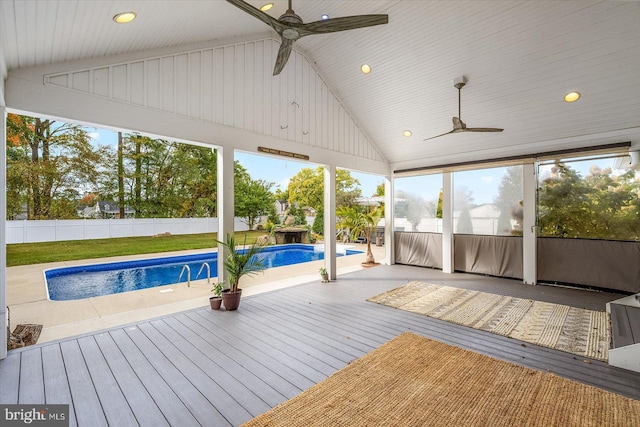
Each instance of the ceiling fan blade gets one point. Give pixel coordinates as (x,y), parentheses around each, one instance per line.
(483,130)
(283,55)
(443,134)
(255,12)
(344,23)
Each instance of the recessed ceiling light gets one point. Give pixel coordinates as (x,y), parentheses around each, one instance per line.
(572,97)
(324,17)
(266,7)
(365,68)
(407,133)
(124,17)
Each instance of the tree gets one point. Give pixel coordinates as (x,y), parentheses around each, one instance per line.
(299,217)
(600,206)
(51,160)
(306,188)
(318,222)
(508,201)
(253,198)
(121,201)
(165,179)
(464,226)
(359,222)
(462,201)
(412,207)
(380,190)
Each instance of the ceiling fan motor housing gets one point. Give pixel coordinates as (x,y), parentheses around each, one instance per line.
(459,82)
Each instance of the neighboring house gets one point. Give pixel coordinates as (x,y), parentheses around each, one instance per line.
(104,209)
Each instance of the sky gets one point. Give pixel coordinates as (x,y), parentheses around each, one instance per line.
(482,183)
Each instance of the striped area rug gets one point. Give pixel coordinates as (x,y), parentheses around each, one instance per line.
(574,330)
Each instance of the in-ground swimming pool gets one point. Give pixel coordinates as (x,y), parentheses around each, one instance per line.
(85,281)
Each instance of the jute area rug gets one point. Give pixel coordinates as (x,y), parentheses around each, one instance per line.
(415,381)
(574,330)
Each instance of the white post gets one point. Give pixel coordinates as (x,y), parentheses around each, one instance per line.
(225,203)
(3,240)
(529,229)
(330,220)
(447,223)
(389,219)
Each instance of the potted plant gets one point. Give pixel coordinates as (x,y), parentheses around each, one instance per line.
(323,274)
(216,300)
(358,222)
(239,263)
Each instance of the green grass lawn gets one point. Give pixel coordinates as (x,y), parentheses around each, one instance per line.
(37,253)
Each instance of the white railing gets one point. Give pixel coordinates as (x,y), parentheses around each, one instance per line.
(83,229)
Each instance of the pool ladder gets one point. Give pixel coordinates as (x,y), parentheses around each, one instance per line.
(204,264)
(186,267)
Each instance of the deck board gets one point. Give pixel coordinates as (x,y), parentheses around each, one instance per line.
(244,364)
(10,378)
(156,386)
(116,408)
(272,368)
(313,370)
(203,367)
(145,409)
(86,403)
(184,378)
(31,377)
(217,367)
(56,384)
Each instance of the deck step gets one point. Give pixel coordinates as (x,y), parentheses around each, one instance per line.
(625,325)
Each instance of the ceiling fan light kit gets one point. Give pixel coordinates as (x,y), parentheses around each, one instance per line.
(290,27)
(458,124)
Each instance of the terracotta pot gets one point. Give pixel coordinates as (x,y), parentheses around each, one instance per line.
(215,303)
(231,300)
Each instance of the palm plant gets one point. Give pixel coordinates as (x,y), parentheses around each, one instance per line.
(359,222)
(241,262)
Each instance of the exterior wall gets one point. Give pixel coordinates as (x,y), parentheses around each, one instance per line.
(230,85)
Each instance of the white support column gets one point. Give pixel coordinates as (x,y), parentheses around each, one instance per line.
(3,240)
(225,197)
(389,219)
(330,220)
(447,223)
(529,229)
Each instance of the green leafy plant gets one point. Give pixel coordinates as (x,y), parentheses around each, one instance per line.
(322,271)
(217,289)
(357,222)
(241,262)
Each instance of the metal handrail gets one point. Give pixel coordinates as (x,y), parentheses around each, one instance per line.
(208,272)
(188,275)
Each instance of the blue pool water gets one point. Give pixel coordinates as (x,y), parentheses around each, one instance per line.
(70,283)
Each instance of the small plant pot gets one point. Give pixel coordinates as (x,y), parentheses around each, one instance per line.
(231,300)
(215,302)
(325,277)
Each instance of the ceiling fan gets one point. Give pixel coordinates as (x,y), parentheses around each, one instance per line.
(458,124)
(290,27)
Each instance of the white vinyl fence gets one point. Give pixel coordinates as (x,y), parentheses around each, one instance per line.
(82,229)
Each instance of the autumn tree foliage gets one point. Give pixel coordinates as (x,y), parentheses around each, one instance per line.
(47,162)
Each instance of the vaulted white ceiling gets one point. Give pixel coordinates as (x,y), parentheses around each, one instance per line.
(519,57)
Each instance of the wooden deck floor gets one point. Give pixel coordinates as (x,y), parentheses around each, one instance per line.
(222,368)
